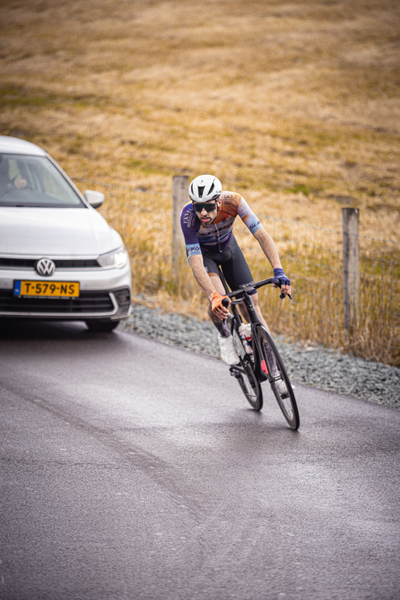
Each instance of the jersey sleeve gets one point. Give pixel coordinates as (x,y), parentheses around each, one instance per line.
(190,226)
(251,220)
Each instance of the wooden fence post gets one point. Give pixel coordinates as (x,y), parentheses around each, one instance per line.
(351,268)
(180,186)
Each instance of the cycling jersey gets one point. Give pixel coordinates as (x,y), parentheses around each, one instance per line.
(215,237)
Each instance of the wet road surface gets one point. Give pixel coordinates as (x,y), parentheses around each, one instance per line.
(135,470)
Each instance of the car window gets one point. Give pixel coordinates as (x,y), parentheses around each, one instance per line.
(34,181)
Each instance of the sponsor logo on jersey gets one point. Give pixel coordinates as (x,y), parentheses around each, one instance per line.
(254,226)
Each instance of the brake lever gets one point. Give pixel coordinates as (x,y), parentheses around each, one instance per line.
(279,284)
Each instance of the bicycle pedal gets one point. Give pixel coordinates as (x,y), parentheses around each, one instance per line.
(234,373)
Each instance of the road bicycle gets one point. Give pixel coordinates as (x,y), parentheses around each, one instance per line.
(259,358)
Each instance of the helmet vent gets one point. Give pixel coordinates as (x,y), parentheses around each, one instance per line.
(201,190)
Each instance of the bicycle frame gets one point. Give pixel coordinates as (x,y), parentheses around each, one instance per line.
(264,362)
(254,321)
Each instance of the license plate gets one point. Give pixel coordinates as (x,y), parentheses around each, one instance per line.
(46,289)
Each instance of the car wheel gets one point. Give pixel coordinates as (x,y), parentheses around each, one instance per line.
(98,325)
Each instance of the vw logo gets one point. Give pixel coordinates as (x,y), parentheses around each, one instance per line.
(45,267)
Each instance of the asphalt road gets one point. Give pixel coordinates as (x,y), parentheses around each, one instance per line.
(135,470)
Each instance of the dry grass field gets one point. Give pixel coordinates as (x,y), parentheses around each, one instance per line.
(297,101)
(295,104)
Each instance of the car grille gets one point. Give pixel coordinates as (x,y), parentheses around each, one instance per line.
(88,302)
(29,263)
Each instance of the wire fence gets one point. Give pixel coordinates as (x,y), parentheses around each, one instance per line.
(312,256)
(314,259)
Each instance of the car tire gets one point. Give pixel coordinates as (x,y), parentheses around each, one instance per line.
(98,325)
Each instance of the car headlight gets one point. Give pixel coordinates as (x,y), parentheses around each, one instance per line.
(117,258)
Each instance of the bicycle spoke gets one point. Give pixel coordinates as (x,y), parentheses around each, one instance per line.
(278,378)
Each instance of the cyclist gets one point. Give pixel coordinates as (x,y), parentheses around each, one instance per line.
(207,222)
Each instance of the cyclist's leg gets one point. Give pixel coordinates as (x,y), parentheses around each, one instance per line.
(225,340)
(234,266)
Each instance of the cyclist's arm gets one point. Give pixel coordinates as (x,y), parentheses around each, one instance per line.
(190,225)
(271,252)
(206,285)
(266,242)
(253,224)
(200,274)
(268,247)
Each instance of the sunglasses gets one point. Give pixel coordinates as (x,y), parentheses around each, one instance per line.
(198,207)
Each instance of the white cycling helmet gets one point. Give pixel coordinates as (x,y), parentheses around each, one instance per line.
(205,188)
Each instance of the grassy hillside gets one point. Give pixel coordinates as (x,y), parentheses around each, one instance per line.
(294,104)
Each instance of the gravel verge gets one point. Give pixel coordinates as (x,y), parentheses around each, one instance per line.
(313,365)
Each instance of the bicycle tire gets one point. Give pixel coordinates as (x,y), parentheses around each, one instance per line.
(287,404)
(245,375)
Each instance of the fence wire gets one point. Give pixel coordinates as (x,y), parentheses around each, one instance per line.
(312,256)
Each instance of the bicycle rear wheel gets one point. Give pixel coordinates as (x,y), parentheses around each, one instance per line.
(278,378)
(244,373)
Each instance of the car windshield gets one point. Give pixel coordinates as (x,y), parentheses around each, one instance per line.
(34,181)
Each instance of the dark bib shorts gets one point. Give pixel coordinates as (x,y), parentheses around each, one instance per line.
(233,264)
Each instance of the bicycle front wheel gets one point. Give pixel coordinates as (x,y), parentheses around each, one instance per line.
(244,373)
(274,368)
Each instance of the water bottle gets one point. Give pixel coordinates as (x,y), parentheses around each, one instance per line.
(245,336)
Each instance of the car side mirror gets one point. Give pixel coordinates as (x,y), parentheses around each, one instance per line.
(95,199)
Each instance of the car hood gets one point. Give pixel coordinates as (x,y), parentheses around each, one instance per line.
(67,232)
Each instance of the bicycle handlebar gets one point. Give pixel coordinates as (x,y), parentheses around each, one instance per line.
(247,289)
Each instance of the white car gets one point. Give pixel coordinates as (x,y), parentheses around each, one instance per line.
(59,258)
